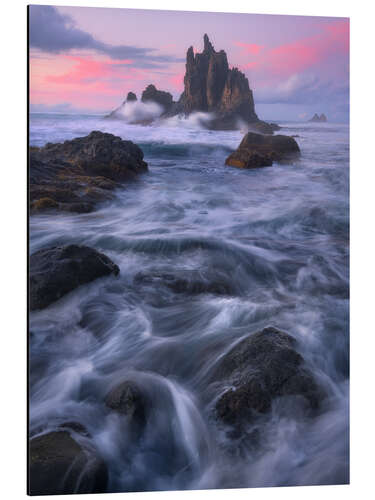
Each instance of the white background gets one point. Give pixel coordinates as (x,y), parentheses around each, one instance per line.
(13,244)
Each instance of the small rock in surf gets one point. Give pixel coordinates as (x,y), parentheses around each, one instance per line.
(55,271)
(260,368)
(257,150)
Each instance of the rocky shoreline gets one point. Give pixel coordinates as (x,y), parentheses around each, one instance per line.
(258,376)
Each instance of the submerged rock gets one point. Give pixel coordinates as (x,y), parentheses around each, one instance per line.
(186,281)
(127,399)
(77,174)
(60,465)
(55,271)
(260,368)
(258,150)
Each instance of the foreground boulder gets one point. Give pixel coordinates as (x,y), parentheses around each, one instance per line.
(186,281)
(60,465)
(257,150)
(77,174)
(55,271)
(260,368)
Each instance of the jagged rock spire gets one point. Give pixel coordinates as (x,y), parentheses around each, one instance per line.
(208,47)
(211,86)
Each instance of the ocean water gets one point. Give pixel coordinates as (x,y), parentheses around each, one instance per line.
(278,236)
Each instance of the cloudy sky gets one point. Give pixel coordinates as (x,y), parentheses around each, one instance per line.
(87,59)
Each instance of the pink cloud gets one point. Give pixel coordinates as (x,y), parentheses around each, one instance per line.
(249,65)
(250,48)
(298,56)
(83,81)
(87,69)
(295,57)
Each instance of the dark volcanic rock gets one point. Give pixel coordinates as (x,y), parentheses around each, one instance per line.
(56,271)
(164,99)
(190,282)
(210,86)
(318,119)
(60,465)
(127,399)
(258,150)
(263,127)
(131,97)
(77,174)
(261,367)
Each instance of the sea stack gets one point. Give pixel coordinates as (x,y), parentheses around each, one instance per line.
(212,87)
(318,119)
(131,97)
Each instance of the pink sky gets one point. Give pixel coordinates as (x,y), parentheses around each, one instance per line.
(88,58)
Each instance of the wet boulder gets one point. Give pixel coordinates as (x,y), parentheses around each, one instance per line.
(191,282)
(128,399)
(77,174)
(55,271)
(260,368)
(257,150)
(60,465)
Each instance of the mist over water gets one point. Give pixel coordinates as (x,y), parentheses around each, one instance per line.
(278,237)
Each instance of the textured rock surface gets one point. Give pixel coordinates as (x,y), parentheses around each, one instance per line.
(261,367)
(60,465)
(257,150)
(77,174)
(56,271)
(210,86)
(127,399)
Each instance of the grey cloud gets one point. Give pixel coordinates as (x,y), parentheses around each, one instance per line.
(303,89)
(52,32)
